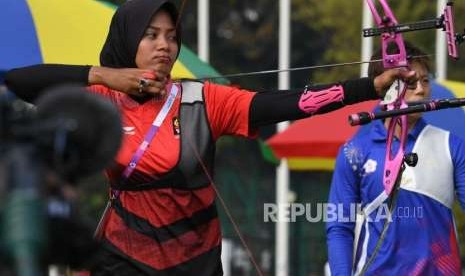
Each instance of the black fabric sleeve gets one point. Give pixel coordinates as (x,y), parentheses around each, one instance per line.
(277,106)
(28,82)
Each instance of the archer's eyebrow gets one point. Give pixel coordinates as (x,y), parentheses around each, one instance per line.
(155,28)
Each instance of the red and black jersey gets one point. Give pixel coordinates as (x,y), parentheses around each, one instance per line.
(168,229)
(172,214)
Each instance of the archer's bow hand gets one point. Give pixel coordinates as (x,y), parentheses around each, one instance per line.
(385,80)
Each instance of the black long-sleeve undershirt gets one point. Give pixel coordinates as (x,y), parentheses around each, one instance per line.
(277,106)
(266,107)
(29,82)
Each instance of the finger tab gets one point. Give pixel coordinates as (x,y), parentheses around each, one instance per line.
(148,75)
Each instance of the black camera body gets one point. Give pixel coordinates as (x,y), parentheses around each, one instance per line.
(71,134)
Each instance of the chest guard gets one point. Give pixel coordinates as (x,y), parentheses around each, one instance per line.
(196,144)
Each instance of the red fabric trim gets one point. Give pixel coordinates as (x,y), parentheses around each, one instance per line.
(167,254)
(165,206)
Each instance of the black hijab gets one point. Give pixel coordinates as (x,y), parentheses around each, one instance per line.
(127,28)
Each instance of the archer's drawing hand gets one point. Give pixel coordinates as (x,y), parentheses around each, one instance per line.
(131,81)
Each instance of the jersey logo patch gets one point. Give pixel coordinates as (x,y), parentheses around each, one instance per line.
(370,166)
(176,126)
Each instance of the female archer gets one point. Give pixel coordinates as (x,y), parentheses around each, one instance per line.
(164,220)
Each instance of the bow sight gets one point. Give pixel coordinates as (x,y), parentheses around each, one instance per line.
(445,22)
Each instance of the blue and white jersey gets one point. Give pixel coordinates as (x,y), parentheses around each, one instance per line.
(421,239)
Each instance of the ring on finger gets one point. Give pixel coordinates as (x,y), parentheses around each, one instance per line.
(143,83)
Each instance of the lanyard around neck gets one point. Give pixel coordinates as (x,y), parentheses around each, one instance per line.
(152,132)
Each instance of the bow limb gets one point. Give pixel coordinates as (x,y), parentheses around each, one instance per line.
(394,56)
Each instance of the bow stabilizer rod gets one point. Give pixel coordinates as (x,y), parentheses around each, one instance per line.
(363,118)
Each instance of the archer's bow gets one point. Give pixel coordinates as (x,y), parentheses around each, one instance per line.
(397,108)
(390,31)
(394,99)
(394,56)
